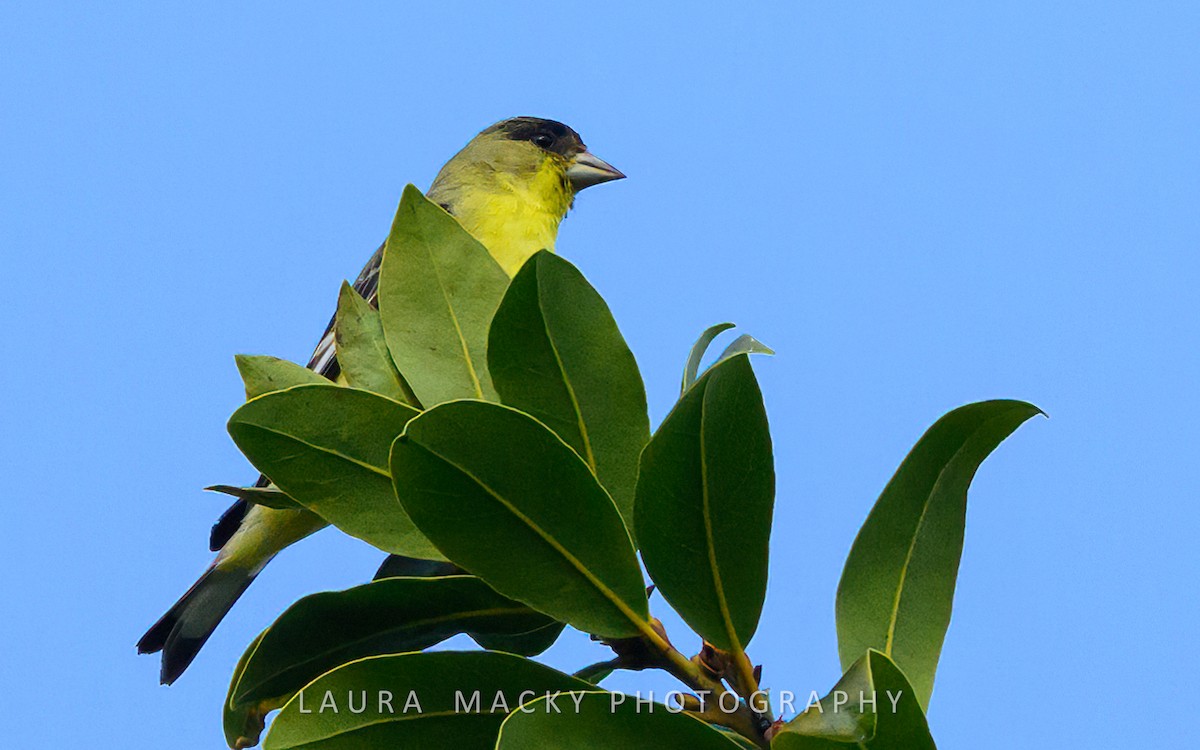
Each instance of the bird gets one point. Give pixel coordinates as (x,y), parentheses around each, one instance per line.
(510,187)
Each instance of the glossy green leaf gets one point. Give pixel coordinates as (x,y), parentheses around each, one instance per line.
(262,374)
(605,721)
(462,698)
(555,352)
(325,630)
(529,643)
(399,566)
(744,344)
(704,501)
(872,707)
(897,587)
(438,289)
(525,643)
(270,497)
(243,725)
(596,673)
(327,447)
(692,369)
(362,350)
(745,743)
(503,497)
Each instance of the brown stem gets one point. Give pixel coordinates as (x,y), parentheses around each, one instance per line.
(653,649)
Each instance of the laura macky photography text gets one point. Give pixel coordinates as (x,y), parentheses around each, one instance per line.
(387,702)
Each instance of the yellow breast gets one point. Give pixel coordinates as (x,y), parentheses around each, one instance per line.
(516,216)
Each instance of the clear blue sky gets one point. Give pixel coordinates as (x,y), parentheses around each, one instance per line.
(918,205)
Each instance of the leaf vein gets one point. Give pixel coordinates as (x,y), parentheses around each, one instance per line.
(550,540)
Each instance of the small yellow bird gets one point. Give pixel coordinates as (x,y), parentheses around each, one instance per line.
(510,187)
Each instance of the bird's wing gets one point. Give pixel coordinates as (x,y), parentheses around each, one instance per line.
(323,361)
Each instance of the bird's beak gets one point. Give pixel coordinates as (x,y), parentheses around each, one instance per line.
(586,170)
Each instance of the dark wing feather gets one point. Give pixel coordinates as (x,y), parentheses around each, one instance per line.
(323,361)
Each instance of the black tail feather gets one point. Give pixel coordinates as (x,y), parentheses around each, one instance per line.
(183,630)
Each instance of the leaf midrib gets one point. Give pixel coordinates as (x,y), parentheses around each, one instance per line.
(550,540)
(589,455)
(894,615)
(709,537)
(318,448)
(437,275)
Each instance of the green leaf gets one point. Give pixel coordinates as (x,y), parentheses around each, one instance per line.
(872,707)
(605,721)
(596,673)
(529,643)
(327,447)
(244,724)
(362,350)
(325,630)
(743,742)
(897,588)
(744,344)
(399,566)
(270,497)
(692,369)
(704,501)
(505,498)
(555,352)
(435,679)
(262,374)
(438,289)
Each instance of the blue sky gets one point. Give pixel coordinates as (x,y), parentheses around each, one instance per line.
(916,205)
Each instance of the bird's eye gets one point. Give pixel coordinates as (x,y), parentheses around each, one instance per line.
(543,141)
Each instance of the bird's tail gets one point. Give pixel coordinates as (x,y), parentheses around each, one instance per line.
(261,533)
(185,627)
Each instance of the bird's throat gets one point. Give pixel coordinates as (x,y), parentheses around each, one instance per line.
(517,217)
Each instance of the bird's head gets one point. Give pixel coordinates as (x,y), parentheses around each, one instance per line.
(514,182)
(541,144)
(522,150)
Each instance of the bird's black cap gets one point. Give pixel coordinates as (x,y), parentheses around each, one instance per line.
(548,135)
